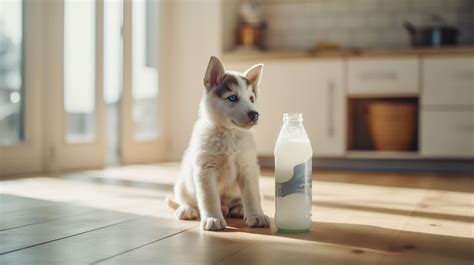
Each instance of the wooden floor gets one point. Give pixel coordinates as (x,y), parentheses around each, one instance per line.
(118,216)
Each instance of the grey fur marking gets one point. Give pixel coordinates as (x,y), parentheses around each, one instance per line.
(228,81)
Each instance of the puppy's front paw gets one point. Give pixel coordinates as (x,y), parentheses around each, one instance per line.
(185,212)
(257,221)
(213,223)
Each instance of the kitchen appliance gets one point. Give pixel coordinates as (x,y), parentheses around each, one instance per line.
(436,34)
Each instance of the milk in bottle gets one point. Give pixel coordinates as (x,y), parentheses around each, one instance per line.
(293,176)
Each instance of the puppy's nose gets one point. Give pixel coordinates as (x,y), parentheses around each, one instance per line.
(253,115)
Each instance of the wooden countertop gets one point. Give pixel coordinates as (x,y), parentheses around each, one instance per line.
(345,53)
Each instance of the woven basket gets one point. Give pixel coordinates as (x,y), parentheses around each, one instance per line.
(392,125)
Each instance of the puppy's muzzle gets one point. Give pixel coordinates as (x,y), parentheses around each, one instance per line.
(253,116)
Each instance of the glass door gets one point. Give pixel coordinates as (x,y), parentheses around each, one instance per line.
(79,84)
(113,72)
(141,140)
(109,54)
(20,85)
(75,44)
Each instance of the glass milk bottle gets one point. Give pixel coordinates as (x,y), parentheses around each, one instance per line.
(293,176)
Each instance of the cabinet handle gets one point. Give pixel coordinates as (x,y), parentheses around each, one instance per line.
(331,103)
(373,76)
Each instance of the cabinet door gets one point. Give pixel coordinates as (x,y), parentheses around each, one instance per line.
(448,81)
(313,88)
(447,133)
(327,108)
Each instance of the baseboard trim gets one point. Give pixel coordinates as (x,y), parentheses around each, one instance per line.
(461,167)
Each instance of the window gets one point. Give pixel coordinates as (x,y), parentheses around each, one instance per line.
(145,69)
(11,73)
(79,70)
(113,69)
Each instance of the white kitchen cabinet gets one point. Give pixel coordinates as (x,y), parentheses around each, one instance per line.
(447,133)
(313,87)
(447,98)
(320,89)
(448,81)
(388,77)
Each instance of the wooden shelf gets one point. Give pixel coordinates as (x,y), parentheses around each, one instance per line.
(345,53)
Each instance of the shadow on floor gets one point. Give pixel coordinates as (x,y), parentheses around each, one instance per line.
(373,238)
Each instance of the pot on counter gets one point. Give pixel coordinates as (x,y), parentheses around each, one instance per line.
(435,35)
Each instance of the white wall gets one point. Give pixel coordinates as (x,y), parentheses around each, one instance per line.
(191,33)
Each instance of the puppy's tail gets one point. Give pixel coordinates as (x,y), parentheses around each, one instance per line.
(171,202)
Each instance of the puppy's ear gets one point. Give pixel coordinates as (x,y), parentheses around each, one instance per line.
(254,74)
(214,73)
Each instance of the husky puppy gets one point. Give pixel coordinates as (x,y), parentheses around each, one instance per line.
(219,172)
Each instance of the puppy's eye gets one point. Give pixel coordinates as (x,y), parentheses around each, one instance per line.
(232,98)
(252,99)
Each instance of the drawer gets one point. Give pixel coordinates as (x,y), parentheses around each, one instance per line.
(390,77)
(448,81)
(447,133)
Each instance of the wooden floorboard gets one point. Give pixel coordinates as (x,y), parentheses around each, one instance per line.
(99,244)
(40,233)
(189,247)
(118,216)
(11,203)
(327,243)
(17,219)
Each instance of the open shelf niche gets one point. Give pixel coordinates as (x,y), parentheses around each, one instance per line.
(360,138)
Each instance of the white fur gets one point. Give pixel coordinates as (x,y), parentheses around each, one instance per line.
(219,172)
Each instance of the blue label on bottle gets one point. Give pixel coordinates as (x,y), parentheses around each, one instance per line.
(301,181)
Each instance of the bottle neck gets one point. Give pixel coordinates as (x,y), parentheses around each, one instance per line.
(293,129)
(293,122)
(293,125)
(293,117)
